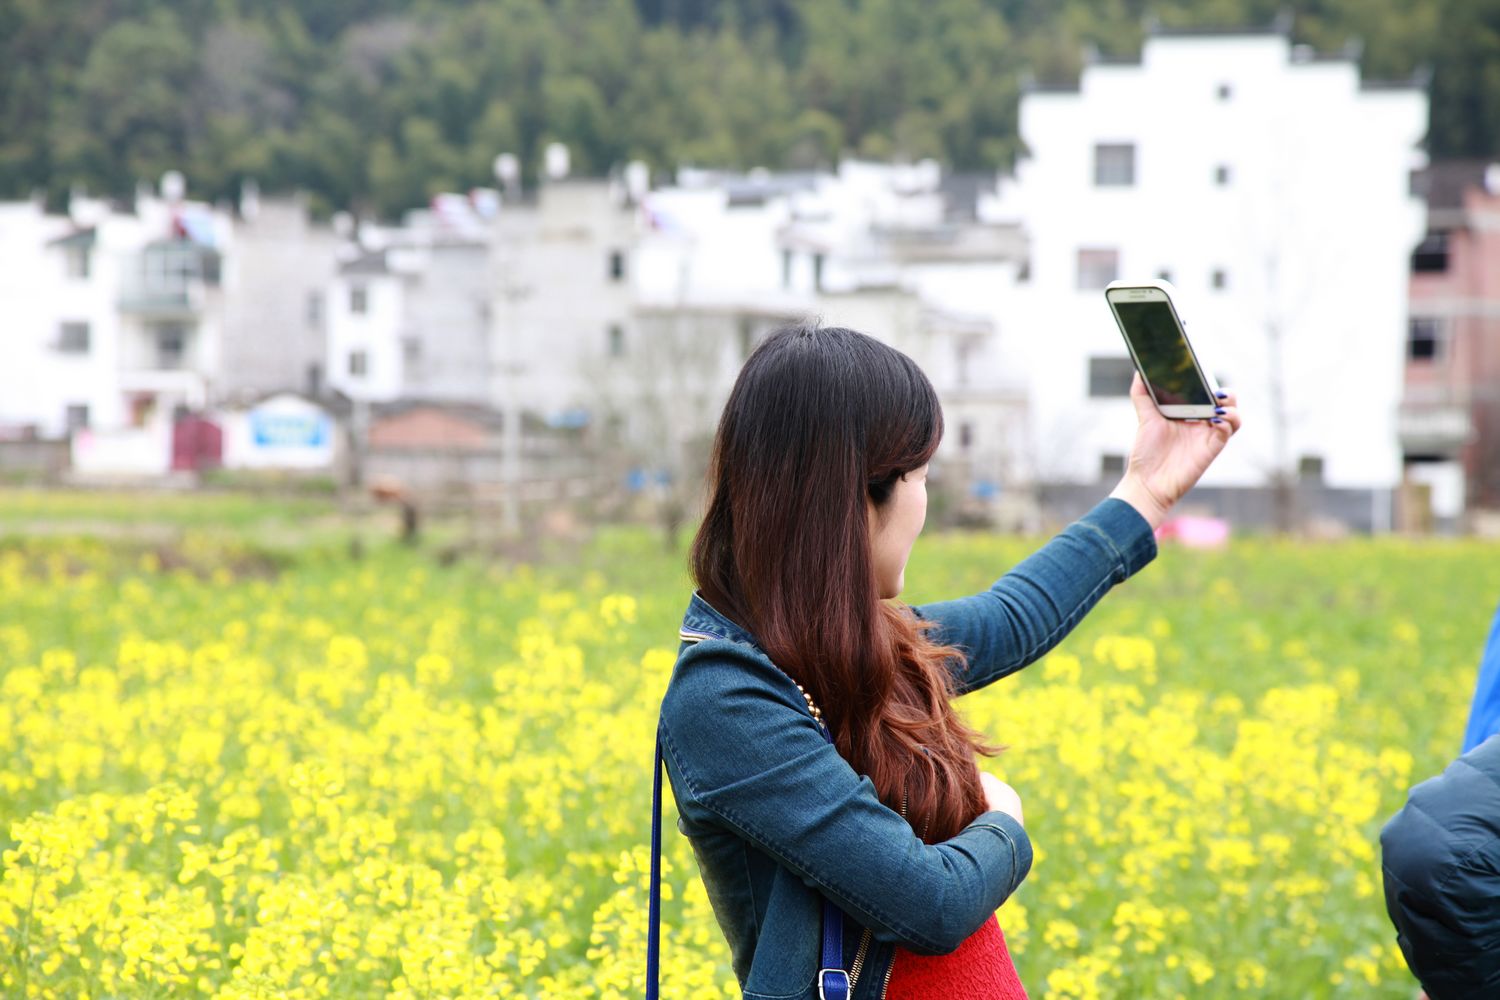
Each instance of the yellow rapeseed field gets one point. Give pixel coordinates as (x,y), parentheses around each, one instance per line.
(336,778)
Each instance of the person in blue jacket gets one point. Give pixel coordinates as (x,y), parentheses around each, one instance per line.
(793,638)
(1440,858)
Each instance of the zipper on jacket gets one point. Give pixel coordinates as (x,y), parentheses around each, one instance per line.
(864,944)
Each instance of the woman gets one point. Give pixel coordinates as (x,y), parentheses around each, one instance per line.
(817,493)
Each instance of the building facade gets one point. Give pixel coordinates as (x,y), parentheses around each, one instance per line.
(114,325)
(1271,186)
(1450,415)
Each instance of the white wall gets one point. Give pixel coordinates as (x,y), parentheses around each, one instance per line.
(376,331)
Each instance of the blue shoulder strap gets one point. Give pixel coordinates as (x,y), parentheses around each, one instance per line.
(833,981)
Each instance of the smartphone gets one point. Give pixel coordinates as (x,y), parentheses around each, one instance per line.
(1179,386)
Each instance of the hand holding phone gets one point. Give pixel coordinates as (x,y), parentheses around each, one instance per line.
(1158,345)
(1185,420)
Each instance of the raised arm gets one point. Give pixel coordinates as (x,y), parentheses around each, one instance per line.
(1028,610)
(744,755)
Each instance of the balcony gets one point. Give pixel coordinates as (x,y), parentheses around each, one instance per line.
(168,280)
(1433,428)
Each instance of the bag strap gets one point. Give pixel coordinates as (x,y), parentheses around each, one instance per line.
(833,981)
(653,906)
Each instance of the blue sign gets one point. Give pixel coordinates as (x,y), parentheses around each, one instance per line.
(289,430)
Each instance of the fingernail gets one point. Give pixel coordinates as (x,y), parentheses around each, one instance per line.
(1218,420)
(1220,409)
(1223,395)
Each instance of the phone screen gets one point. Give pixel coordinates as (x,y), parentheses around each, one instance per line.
(1163,353)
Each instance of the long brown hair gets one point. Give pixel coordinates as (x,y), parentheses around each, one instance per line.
(819,419)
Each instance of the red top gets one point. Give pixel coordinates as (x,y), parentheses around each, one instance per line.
(979,968)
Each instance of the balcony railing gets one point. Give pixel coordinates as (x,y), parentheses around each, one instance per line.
(1422,428)
(168,279)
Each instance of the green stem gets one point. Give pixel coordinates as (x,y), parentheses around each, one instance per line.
(26,930)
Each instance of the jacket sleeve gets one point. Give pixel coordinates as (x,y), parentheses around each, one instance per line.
(745,755)
(1031,608)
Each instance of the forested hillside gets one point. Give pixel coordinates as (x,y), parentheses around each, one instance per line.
(375,104)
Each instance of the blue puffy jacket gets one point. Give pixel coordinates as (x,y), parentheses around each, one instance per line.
(1440,857)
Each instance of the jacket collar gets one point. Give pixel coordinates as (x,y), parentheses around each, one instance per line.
(703,621)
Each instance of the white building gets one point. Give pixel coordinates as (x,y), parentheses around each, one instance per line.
(112,324)
(1271,186)
(276,274)
(892,250)
(409,310)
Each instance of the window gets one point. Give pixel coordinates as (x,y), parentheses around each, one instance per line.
(171,345)
(314,310)
(965,350)
(359,299)
(1221,175)
(1418,183)
(1097,268)
(1111,464)
(1114,164)
(616,265)
(1431,255)
(818,271)
(1220,279)
(77,260)
(965,435)
(1424,337)
(1310,468)
(73,338)
(411,350)
(1109,377)
(77,416)
(315,380)
(616,340)
(1225,91)
(359,363)
(786,269)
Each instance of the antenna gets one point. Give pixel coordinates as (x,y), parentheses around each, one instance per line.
(637,180)
(557,161)
(173,185)
(507,170)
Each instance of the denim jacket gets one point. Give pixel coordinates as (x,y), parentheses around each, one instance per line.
(778,819)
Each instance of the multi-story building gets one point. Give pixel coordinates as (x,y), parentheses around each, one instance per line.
(114,324)
(895,251)
(276,274)
(408,312)
(562,281)
(1271,185)
(1450,415)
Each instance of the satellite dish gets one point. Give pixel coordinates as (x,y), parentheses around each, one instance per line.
(507,169)
(173,185)
(249,199)
(637,180)
(557,161)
